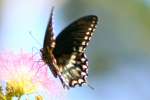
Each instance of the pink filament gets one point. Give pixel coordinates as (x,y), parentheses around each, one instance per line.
(11,64)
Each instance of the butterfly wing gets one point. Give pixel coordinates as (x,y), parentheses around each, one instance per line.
(48,46)
(69,50)
(49,40)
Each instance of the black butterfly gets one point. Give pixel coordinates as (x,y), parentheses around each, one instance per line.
(65,54)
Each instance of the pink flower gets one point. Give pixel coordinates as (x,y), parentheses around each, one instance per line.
(23,74)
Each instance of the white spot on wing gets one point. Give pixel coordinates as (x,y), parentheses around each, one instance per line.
(87,43)
(85,77)
(84,55)
(84,67)
(84,49)
(83,73)
(80,49)
(80,81)
(83,59)
(87,70)
(90,29)
(86,62)
(73,56)
(86,37)
(74,82)
(74,72)
(78,69)
(87,33)
(84,83)
(92,25)
(69,65)
(84,43)
(89,38)
(73,61)
(53,44)
(94,29)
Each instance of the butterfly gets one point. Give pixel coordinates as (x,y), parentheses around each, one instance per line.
(65,54)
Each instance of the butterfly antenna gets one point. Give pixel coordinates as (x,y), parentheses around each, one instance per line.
(35,39)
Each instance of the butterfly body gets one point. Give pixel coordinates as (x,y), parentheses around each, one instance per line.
(65,55)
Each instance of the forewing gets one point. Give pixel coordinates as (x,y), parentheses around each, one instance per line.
(49,40)
(48,46)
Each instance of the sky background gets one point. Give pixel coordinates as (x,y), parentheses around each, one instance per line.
(119,52)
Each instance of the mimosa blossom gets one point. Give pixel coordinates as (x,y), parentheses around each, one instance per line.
(21,74)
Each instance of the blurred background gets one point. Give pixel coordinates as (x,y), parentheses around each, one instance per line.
(119,52)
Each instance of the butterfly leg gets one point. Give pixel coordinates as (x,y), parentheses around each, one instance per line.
(65,85)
